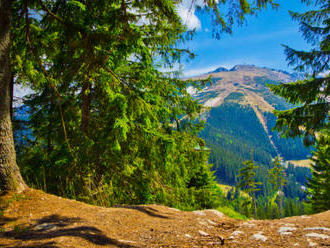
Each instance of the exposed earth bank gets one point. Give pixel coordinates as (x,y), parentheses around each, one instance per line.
(36,219)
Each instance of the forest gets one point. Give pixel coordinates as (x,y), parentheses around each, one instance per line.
(110,121)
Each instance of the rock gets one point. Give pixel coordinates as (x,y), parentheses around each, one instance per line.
(187,235)
(44,227)
(317,235)
(199,212)
(311,243)
(248,224)
(234,234)
(216,212)
(286,229)
(211,222)
(317,228)
(259,236)
(203,233)
(285,233)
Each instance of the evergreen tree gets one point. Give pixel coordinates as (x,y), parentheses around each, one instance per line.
(319,184)
(277,179)
(311,95)
(103,112)
(248,183)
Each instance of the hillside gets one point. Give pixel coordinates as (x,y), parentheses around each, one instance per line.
(240,119)
(35,219)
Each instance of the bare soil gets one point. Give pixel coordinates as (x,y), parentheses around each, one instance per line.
(36,219)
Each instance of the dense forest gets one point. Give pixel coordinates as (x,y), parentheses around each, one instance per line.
(109,121)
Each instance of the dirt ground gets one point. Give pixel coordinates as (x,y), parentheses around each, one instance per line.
(36,219)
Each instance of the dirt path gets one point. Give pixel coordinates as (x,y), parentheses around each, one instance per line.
(36,219)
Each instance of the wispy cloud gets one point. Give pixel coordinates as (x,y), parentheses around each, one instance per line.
(186,10)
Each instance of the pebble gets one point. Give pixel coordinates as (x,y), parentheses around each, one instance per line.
(317,235)
(317,228)
(259,236)
(284,229)
(234,234)
(311,243)
(187,235)
(211,222)
(45,226)
(199,212)
(203,233)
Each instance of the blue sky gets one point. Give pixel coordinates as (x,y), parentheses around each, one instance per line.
(257,42)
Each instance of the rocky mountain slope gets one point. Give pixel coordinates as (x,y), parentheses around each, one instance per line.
(35,219)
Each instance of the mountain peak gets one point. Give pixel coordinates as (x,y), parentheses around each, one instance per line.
(243,68)
(219,69)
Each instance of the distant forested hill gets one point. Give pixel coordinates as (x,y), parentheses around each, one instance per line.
(239,122)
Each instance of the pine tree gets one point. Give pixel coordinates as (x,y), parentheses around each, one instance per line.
(277,179)
(101,102)
(319,184)
(247,181)
(311,95)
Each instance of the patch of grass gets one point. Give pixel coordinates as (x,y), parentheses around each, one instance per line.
(231,213)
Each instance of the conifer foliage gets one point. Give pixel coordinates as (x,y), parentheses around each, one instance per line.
(107,122)
(312,96)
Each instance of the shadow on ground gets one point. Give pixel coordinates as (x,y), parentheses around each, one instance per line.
(145,209)
(54,226)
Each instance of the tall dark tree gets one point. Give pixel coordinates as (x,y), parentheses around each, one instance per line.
(10,177)
(97,62)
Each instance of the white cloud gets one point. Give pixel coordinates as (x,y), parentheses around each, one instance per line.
(198,71)
(186,10)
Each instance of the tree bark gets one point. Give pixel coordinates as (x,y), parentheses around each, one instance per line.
(10,177)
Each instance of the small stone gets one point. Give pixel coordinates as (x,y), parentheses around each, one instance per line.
(286,229)
(211,222)
(285,233)
(234,234)
(317,235)
(317,228)
(311,243)
(259,236)
(203,233)
(45,226)
(199,212)
(249,224)
(187,235)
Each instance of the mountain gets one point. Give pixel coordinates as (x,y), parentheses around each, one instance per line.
(239,121)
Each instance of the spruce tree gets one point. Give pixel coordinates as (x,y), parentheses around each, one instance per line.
(319,184)
(311,95)
(247,181)
(277,179)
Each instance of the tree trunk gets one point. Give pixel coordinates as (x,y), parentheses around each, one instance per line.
(10,177)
